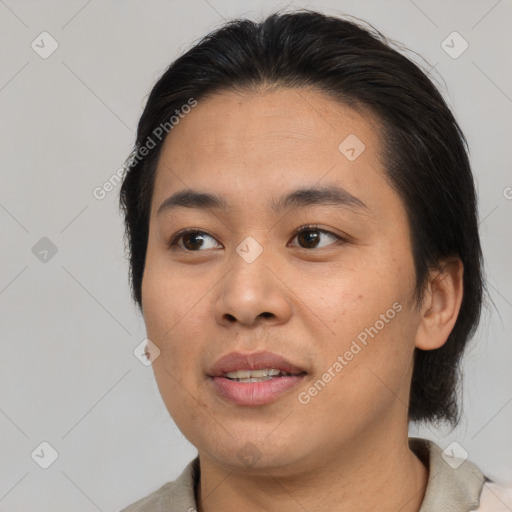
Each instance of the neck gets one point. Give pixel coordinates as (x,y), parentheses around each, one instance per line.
(384,475)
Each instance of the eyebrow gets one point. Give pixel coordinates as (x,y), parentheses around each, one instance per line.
(300,198)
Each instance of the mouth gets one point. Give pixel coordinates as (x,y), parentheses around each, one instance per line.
(254,379)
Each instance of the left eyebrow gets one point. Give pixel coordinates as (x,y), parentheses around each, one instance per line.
(327,195)
(300,198)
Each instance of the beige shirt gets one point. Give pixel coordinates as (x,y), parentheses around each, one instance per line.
(453,486)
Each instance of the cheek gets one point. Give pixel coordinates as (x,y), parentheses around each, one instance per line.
(175,324)
(368,307)
(353,297)
(176,307)
(168,298)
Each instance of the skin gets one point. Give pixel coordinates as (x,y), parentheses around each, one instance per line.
(347,448)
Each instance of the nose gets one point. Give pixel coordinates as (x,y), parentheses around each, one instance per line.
(252,292)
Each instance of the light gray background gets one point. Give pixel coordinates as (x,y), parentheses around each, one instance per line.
(68,374)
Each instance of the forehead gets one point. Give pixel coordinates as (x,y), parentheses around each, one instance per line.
(235,142)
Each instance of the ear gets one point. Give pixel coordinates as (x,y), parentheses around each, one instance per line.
(441,304)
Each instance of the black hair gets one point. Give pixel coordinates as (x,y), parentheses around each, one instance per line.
(424,152)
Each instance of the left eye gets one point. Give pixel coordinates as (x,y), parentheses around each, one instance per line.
(310,236)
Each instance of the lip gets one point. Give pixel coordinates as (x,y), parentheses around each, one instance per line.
(254,393)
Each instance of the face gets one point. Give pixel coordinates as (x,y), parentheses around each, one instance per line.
(304,253)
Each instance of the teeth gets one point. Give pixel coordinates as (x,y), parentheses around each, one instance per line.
(258,375)
(254,379)
(239,374)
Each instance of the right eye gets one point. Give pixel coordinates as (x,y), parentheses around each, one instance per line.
(191,240)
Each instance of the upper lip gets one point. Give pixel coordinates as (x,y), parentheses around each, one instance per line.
(256,361)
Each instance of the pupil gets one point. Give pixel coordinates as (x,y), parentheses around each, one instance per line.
(186,240)
(309,237)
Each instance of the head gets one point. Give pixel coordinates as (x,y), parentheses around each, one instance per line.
(303,119)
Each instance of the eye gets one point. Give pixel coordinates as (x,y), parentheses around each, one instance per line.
(311,235)
(191,240)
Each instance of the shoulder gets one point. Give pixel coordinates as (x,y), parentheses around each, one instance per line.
(495,497)
(172,496)
(154,502)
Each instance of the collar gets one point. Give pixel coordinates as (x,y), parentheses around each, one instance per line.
(452,485)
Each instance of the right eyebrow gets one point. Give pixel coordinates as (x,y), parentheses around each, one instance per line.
(193,199)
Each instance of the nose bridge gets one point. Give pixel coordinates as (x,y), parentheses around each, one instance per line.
(250,263)
(250,288)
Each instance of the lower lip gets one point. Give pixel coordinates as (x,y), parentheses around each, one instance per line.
(255,393)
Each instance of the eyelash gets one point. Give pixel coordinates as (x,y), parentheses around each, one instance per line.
(173,243)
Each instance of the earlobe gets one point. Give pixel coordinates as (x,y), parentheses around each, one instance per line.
(441,304)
